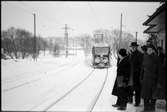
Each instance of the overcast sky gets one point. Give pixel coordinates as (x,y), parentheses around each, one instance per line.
(82,17)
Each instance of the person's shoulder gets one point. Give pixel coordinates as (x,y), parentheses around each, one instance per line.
(139,52)
(162,54)
(156,57)
(127,59)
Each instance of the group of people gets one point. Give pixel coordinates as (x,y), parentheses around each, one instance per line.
(140,74)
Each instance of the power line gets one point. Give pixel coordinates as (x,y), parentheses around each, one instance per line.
(25,10)
(28,6)
(36,11)
(96,18)
(31,10)
(21,4)
(39,14)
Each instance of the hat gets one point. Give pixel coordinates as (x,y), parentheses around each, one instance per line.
(151,46)
(122,52)
(144,48)
(133,44)
(159,48)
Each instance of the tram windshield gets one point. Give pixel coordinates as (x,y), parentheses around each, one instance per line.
(101,50)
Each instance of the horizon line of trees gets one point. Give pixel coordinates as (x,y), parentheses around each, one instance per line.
(16,43)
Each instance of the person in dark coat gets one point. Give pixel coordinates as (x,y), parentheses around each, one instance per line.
(122,79)
(161,55)
(135,63)
(144,52)
(144,49)
(162,75)
(161,87)
(149,79)
(130,86)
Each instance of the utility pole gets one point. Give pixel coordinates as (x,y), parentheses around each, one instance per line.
(120,37)
(85,43)
(136,37)
(76,46)
(66,38)
(102,37)
(73,46)
(34,55)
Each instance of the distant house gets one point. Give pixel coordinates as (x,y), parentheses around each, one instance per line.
(156,27)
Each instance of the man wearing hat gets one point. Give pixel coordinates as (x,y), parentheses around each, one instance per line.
(152,79)
(135,63)
(122,79)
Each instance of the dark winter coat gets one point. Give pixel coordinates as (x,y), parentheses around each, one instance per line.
(135,67)
(161,56)
(161,82)
(150,76)
(123,69)
(162,75)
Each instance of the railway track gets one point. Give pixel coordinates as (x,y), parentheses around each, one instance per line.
(99,93)
(64,95)
(95,99)
(71,90)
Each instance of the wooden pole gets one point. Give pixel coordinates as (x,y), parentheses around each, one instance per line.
(34,36)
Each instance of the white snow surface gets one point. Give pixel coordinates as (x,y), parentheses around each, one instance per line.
(29,85)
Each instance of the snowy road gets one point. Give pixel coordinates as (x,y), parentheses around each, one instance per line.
(51,84)
(46,81)
(22,80)
(58,84)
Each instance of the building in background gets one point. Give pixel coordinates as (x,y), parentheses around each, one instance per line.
(156,27)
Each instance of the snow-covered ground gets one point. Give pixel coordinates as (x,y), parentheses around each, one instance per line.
(51,84)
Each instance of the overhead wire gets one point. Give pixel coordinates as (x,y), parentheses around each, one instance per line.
(13,4)
(30,11)
(96,18)
(29,7)
(46,19)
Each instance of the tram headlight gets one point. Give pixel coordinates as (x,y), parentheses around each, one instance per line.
(105,60)
(97,60)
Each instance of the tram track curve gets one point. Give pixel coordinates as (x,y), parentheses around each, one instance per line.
(75,87)
(99,93)
(68,92)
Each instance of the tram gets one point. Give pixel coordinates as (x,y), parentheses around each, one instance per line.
(101,56)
